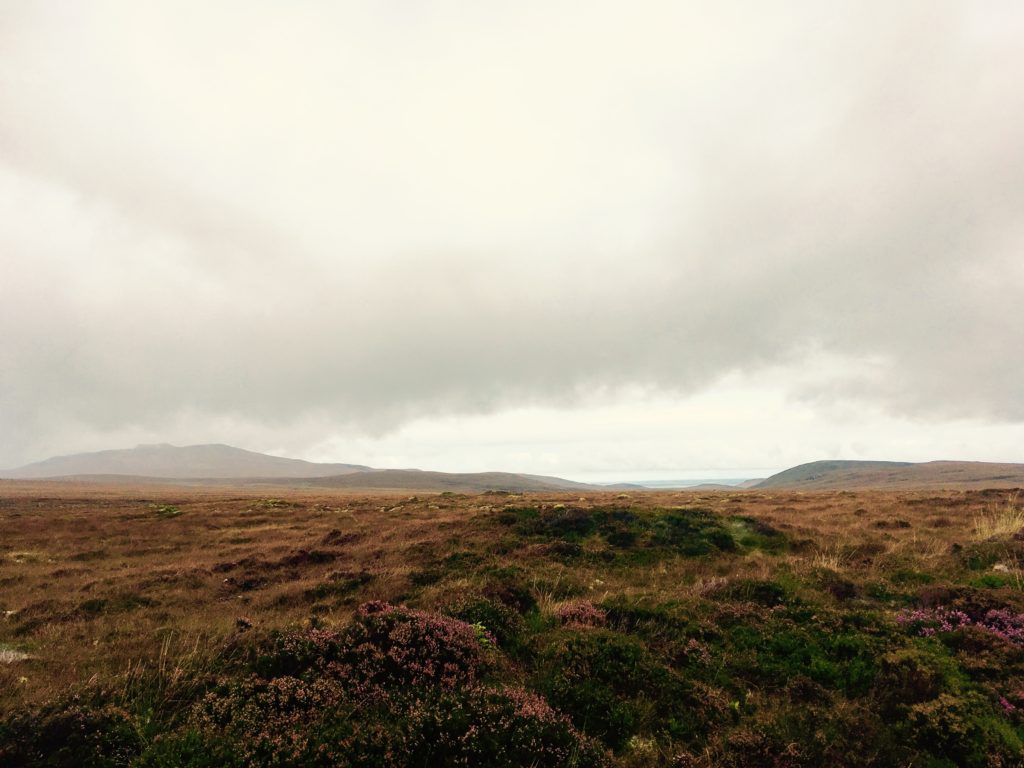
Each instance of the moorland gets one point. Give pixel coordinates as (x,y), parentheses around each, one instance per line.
(153,625)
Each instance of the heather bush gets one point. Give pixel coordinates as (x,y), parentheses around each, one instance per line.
(70,733)
(190,749)
(581,614)
(812,734)
(964,730)
(691,532)
(509,586)
(396,689)
(927,697)
(753,747)
(613,687)
(914,674)
(632,536)
(1006,624)
(839,652)
(386,645)
(496,728)
(501,621)
(760,591)
(668,627)
(291,722)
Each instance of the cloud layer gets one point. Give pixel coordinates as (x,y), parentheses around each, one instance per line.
(289,222)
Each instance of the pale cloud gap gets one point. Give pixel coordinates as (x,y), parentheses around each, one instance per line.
(273,224)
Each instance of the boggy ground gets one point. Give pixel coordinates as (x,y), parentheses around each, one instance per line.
(209,627)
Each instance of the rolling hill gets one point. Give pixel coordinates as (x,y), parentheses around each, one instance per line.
(165,461)
(851,475)
(223,464)
(463,482)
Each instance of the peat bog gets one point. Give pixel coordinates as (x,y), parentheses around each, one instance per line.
(162,626)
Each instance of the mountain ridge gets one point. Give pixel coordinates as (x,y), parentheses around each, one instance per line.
(219,464)
(165,461)
(850,475)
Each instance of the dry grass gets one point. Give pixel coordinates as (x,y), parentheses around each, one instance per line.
(96,583)
(1005,519)
(830,559)
(10,655)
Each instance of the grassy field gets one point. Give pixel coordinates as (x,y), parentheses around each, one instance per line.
(214,627)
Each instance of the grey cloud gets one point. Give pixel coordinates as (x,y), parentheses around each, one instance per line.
(290,221)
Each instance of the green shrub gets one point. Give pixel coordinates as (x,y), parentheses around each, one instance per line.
(613,687)
(190,749)
(70,733)
(832,651)
(752,533)
(632,536)
(914,674)
(965,730)
(497,618)
(385,645)
(496,728)
(759,591)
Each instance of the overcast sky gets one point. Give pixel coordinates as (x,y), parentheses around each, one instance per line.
(593,239)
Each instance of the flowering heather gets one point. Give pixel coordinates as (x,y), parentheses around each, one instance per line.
(697,652)
(1002,623)
(495,617)
(497,727)
(581,613)
(388,645)
(1005,624)
(927,621)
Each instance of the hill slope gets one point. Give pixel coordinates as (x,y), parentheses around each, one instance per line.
(466,482)
(841,475)
(225,464)
(173,462)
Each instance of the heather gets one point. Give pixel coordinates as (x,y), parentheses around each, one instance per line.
(632,630)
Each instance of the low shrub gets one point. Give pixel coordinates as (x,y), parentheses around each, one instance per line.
(581,614)
(964,730)
(1003,623)
(496,728)
(499,620)
(613,687)
(631,536)
(70,733)
(385,645)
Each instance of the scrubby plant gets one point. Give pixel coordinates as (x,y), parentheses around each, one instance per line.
(70,733)
(769,647)
(995,521)
(581,614)
(1003,623)
(964,730)
(497,728)
(498,620)
(613,687)
(386,645)
(631,536)
(761,591)
(397,688)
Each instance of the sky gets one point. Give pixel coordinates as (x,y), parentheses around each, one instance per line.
(602,240)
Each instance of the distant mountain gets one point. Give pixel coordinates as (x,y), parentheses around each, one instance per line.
(463,482)
(841,475)
(223,464)
(713,487)
(172,462)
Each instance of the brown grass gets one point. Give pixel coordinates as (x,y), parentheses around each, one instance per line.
(103,583)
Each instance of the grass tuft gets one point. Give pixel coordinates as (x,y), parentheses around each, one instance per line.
(999,521)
